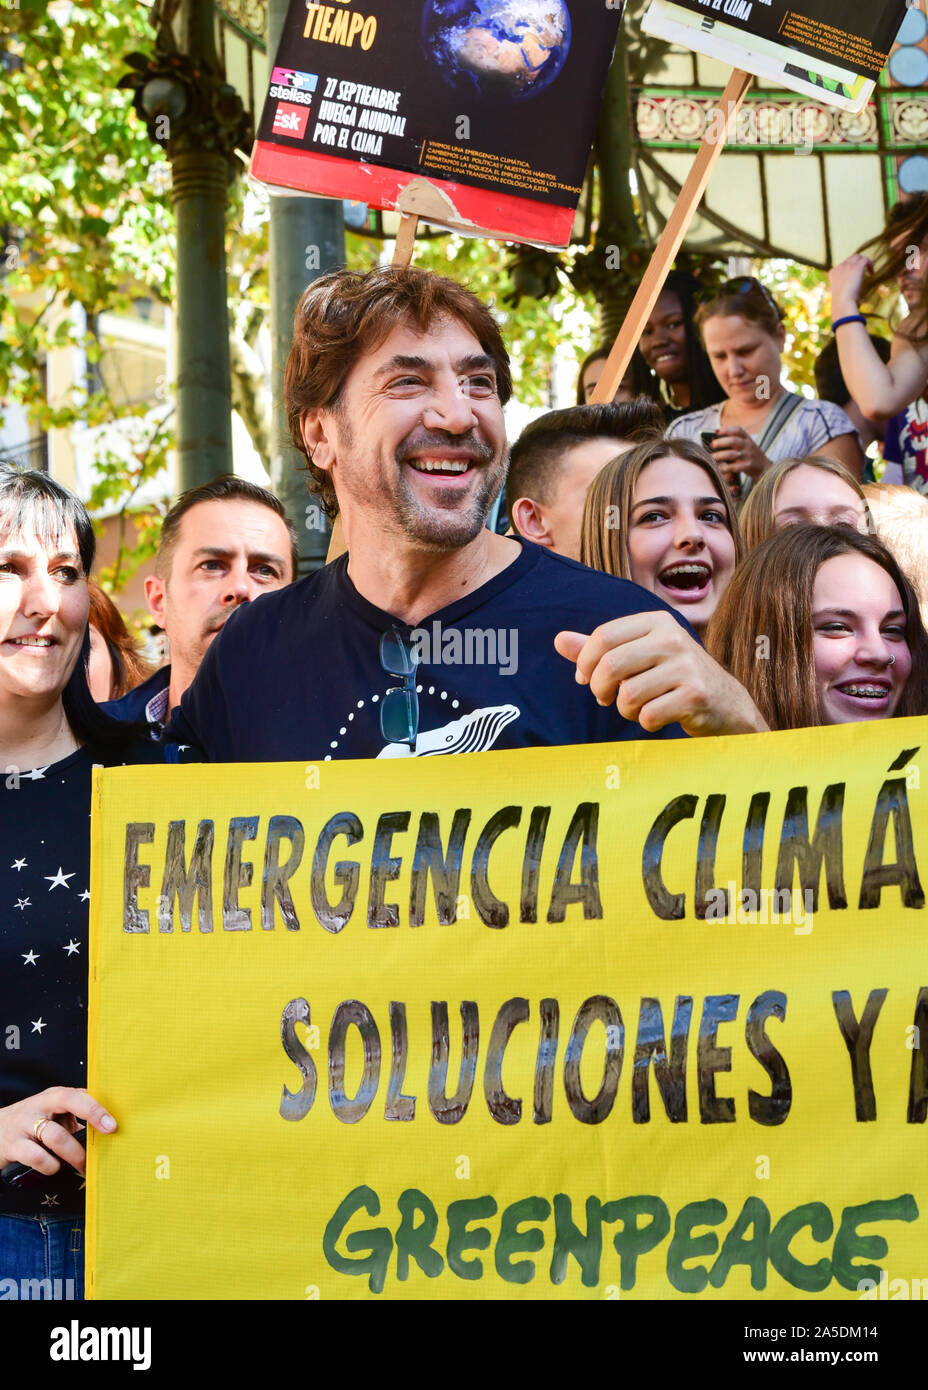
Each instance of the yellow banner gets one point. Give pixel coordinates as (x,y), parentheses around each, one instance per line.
(647,1020)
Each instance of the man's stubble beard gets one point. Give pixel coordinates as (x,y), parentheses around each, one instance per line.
(417,522)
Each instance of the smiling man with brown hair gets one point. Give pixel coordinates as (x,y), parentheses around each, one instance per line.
(394,390)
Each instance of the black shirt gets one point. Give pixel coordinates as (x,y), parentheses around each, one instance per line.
(44,906)
(297,674)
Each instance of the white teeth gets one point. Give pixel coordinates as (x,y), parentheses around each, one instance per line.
(869,692)
(33,641)
(440,465)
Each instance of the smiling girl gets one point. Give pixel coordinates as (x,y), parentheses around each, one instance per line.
(821,626)
(661,516)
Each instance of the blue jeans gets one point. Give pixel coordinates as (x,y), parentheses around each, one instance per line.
(41,1257)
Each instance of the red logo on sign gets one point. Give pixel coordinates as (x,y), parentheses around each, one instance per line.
(290,120)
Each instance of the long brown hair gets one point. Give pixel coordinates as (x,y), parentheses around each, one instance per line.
(608,507)
(129,667)
(758,518)
(762,629)
(906,228)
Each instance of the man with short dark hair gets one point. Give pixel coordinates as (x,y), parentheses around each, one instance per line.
(222,544)
(433,634)
(556,458)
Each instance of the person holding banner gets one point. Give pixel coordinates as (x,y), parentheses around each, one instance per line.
(394,389)
(822,627)
(759,421)
(51,735)
(662,516)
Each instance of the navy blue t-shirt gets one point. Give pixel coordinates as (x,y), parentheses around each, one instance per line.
(44,896)
(296,675)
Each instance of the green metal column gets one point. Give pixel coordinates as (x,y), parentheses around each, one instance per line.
(191,111)
(307,238)
(204,398)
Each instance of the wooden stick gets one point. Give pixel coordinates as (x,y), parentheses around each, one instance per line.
(678,222)
(405,239)
(337,544)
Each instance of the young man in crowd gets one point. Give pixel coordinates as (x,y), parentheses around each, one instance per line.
(433,634)
(222,545)
(557,456)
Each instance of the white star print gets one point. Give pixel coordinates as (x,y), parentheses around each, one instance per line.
(37,1025)
(23,903)
(58,880)
(85,895)
(37,774)
(31,958)
(72,948)
(50,1201)
(19,864)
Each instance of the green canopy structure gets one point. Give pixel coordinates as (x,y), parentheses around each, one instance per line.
(802,181)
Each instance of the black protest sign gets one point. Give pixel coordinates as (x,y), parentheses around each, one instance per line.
(857,34)
(479,97)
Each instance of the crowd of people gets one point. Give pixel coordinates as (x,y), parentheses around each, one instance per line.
(704,558)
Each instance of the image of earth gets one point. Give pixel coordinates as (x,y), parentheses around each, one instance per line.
(498,50)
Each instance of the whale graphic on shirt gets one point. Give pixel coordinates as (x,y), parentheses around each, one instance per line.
(473,733)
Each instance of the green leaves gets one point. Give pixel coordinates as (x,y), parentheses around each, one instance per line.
(89,230)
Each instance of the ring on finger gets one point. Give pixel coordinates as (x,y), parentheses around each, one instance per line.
(39,1127)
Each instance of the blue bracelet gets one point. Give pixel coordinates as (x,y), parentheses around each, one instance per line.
(851,318)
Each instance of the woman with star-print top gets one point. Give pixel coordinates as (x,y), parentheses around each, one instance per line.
(51,734)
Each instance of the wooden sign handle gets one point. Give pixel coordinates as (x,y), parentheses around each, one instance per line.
(652,282)
(405,239)
(402,255)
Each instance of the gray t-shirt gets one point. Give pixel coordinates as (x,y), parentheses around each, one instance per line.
(810,426)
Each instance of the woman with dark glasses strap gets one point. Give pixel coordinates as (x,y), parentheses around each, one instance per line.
(759,421)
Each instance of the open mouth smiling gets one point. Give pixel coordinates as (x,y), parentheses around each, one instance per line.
(688,582)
